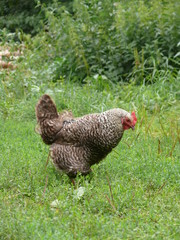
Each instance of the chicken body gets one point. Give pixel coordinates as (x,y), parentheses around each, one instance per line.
(78,143)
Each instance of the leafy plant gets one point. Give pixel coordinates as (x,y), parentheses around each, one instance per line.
(108,37)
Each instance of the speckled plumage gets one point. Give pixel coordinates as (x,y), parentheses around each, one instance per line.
(78,143)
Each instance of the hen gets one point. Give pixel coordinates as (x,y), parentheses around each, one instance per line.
(78,143)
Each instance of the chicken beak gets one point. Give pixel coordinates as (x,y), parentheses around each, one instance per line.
(133,128)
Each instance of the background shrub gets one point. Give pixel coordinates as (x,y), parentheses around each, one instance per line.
(116,39)
(24,15)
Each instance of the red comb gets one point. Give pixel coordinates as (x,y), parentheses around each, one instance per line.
(134,117)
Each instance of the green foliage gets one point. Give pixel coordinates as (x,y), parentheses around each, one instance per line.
(116,39)
(20,15)
(24,15)
(124,41)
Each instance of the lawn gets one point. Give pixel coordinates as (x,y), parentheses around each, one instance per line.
(132,194)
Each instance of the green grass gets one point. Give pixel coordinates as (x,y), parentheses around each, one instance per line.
(143,172)
(134,193)
(144,182)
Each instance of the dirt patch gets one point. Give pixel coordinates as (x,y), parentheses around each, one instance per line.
(9,57)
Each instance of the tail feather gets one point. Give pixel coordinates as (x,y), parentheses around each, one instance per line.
(49,121)
(46,109)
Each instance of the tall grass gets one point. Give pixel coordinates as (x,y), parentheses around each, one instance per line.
(18,97)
